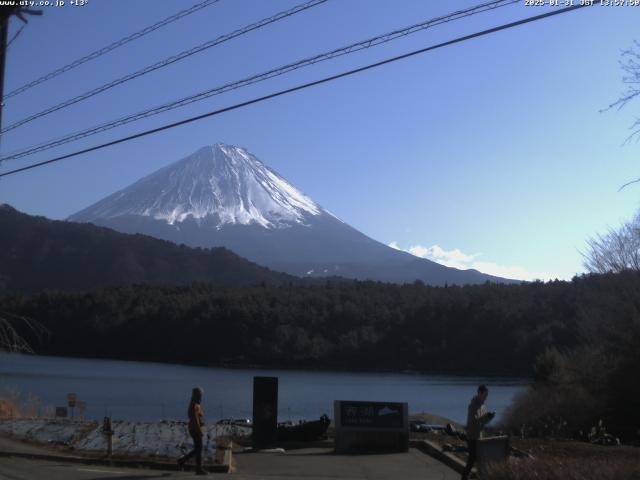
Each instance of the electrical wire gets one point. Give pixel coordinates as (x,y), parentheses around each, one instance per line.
(15,35)
(361,45)
(165,62)
(110,47)
(300,87)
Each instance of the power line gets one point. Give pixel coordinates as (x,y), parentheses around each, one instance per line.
(15,35)
(110,47)
(354,47)
(300,87)
(167,61)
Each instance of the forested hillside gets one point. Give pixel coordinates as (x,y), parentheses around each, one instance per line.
(37,253)
(485,329)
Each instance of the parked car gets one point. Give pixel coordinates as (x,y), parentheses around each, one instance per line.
(238,422)
(418,426)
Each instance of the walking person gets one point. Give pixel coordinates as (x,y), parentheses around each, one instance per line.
(196,422)
(477,418)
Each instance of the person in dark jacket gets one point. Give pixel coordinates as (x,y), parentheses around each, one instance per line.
(196,422)
(477,418)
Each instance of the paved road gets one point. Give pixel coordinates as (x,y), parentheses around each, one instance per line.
(303,464)
(22,469)
(321,464)
(13,445)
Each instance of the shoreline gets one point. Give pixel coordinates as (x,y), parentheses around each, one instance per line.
(502,379)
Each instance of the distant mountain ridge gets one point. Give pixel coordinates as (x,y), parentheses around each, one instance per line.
(38,253)
(222,195)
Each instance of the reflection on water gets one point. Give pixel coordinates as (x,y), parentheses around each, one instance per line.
(152,391)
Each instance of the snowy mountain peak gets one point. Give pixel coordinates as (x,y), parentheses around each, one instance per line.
(222,182)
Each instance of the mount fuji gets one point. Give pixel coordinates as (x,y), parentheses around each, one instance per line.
(222,195)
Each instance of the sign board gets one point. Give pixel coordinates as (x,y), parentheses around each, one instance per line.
(371,426)
(265,411)
(371,414)
(61,412)
(71,399)
(82,407)
(492,450)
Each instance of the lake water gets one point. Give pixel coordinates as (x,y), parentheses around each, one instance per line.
(153,391)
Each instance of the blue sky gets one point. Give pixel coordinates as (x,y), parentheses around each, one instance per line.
(492,153)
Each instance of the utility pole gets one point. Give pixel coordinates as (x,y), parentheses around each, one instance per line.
(5,15)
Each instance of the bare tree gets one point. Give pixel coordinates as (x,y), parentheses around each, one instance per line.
(630,65)
(615,251)
(10,338)
(619,249)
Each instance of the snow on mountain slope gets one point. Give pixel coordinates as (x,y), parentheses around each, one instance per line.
(223,181)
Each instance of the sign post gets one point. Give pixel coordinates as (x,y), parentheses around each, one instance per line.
(71,400)
(371,426)
(107,429)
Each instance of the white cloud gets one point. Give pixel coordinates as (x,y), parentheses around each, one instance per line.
(451,258)
(457,259)
(395,245)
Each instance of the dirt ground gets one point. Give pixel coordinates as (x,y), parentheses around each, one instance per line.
(554,459)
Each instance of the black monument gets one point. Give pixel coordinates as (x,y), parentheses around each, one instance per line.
(265,411)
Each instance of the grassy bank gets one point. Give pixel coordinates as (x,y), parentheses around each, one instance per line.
(14,404)
(569,460)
